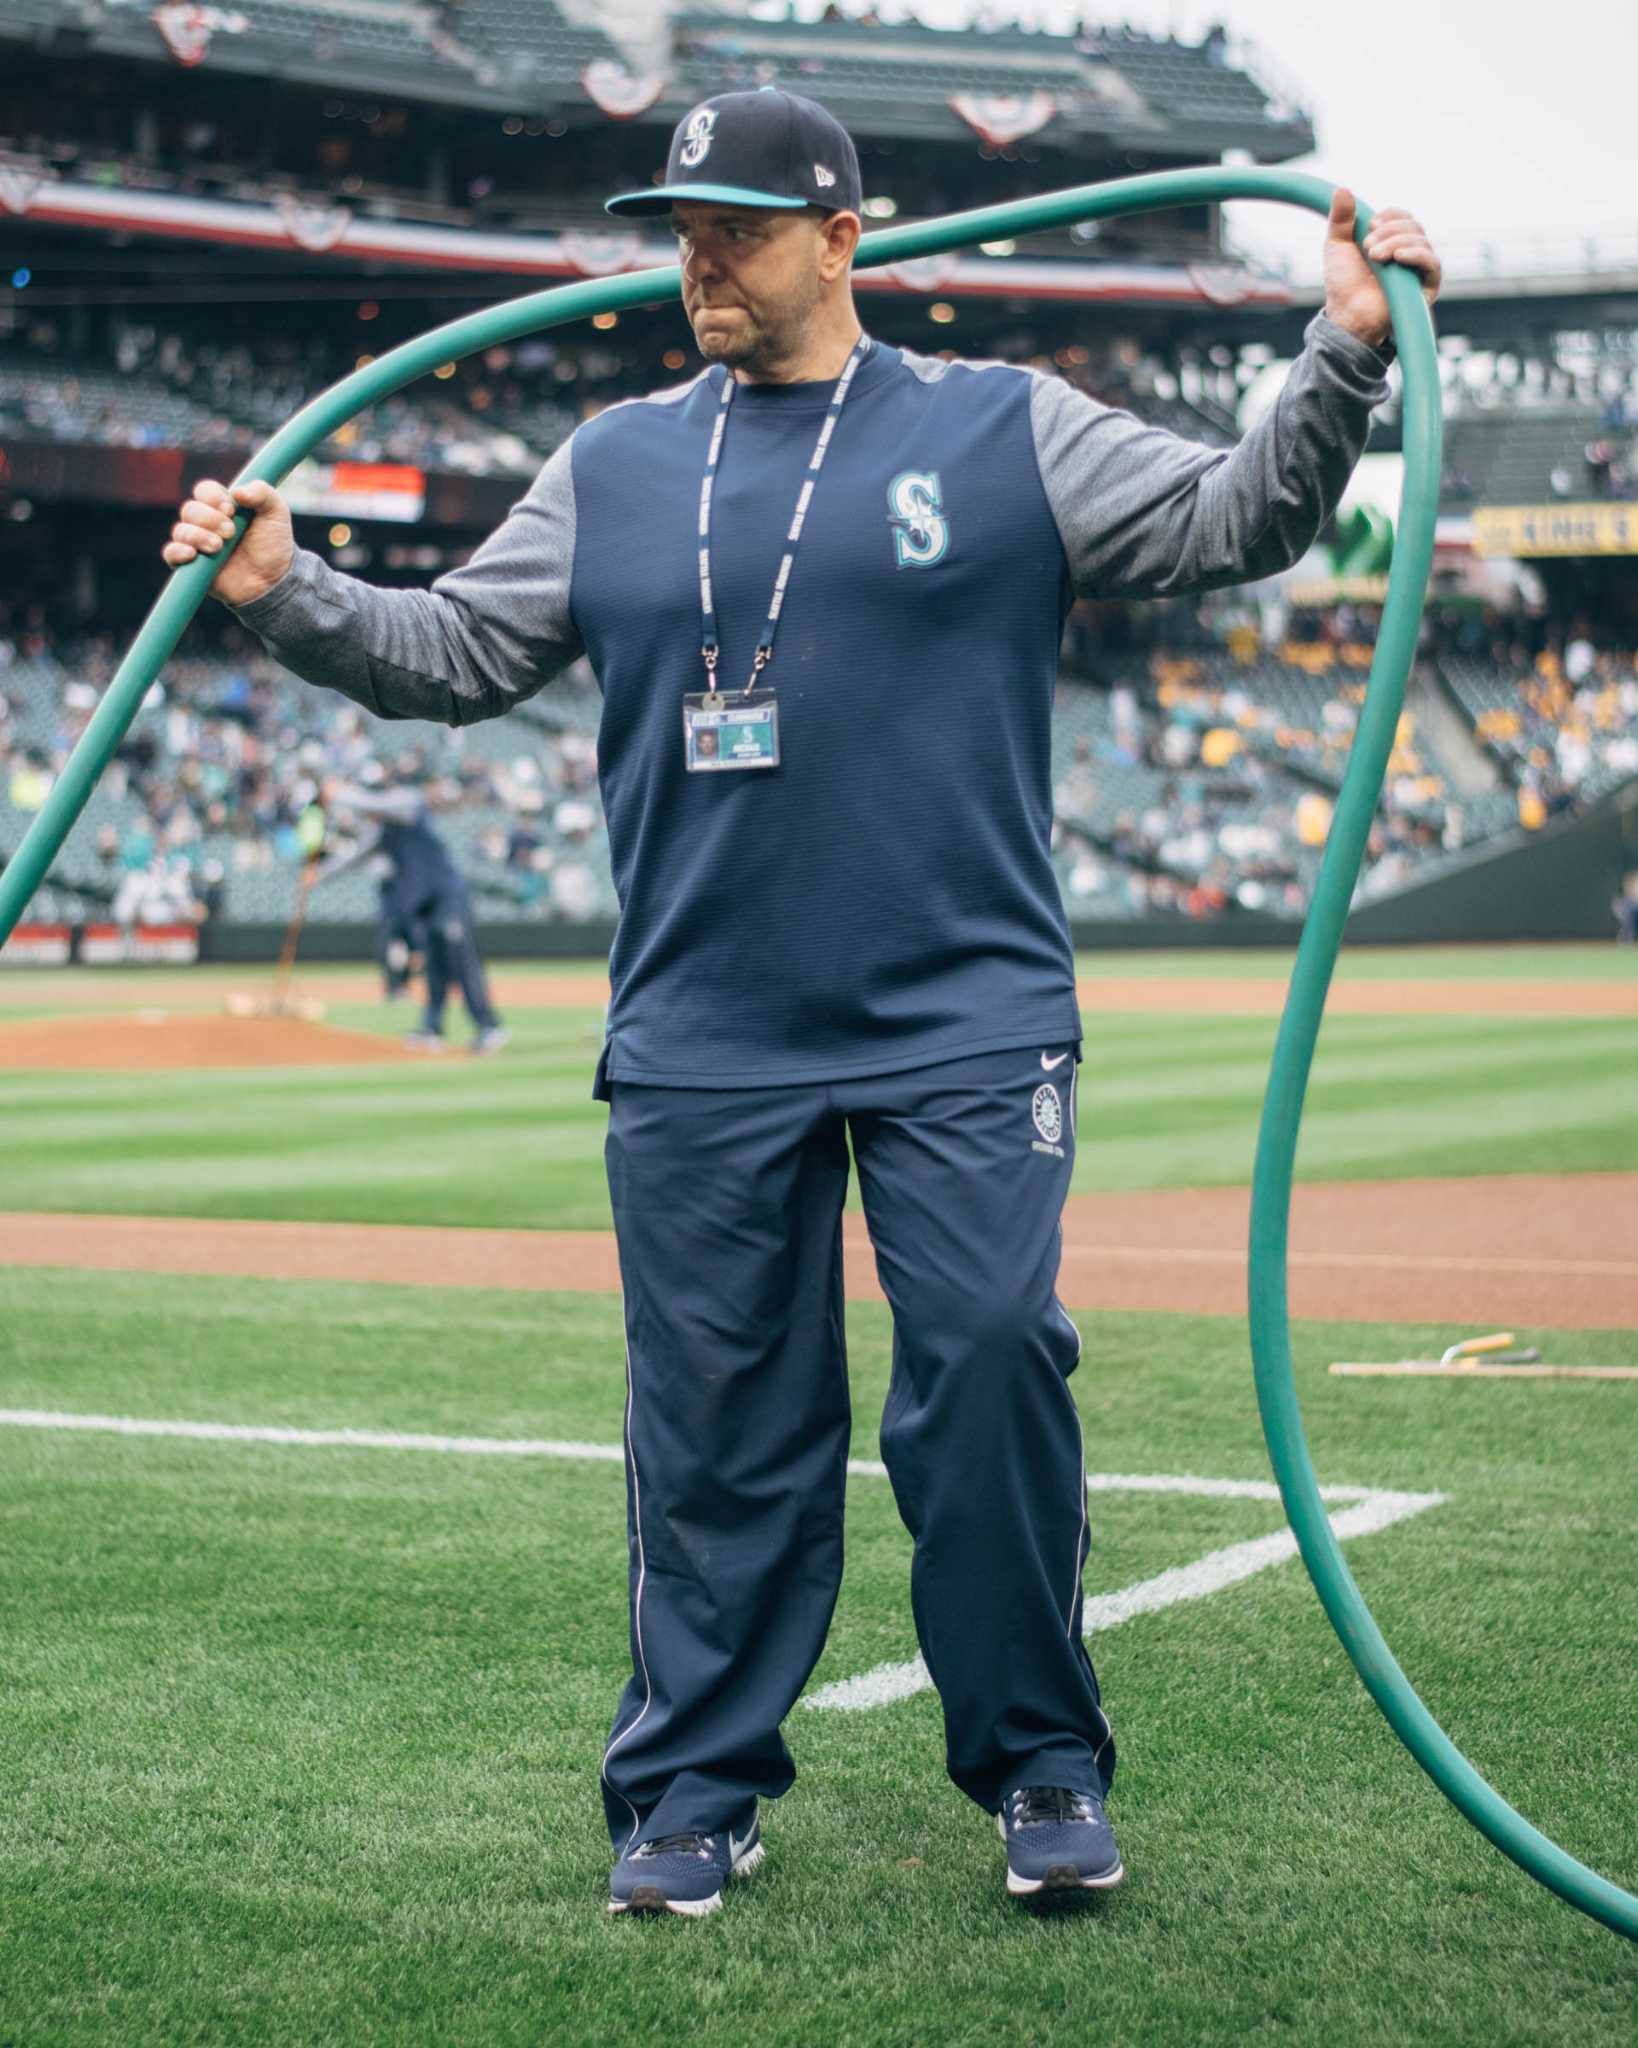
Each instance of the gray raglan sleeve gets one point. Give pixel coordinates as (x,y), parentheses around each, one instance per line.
(334,864)
(400,806)
(1146,513)
(480,639)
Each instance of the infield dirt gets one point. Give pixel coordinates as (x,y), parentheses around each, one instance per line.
(1533,1251)
(1538,1252)
(80,989)
(148,1041)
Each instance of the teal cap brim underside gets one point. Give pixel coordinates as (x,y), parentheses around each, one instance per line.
(658,198)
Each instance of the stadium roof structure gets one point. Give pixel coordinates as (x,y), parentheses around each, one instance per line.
(1118,89)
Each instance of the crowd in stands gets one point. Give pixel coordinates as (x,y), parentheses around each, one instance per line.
(139,383)
(1211,764)
(1566,726)
(152,387)
(1198,753)
(500,413)
(199,811)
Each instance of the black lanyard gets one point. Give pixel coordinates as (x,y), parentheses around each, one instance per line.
(764,646)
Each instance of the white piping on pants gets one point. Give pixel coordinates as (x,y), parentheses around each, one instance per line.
(637,1604)
(1080,1532)
(1080,1431)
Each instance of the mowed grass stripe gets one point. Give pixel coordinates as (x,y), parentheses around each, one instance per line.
(1382,1092)
(517,1142)
(1196,1093)
(1574,961)
(1168,1040)
(1128,1070)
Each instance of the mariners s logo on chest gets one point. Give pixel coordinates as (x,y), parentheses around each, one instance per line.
(915,512)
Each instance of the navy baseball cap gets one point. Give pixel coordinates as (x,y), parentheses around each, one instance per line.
(765,147)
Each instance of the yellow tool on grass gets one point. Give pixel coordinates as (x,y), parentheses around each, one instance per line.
(1487,1358)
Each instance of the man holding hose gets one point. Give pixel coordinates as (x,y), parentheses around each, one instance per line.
(826,632)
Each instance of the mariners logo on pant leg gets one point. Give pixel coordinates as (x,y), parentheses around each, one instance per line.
(1047,1114)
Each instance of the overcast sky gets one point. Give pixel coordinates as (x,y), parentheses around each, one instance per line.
(1512,120)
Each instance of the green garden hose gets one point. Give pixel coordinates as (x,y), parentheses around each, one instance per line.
(1322,933)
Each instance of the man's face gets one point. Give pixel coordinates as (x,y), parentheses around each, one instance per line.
(750,280)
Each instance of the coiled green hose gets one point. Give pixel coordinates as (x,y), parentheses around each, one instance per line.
(1322,933)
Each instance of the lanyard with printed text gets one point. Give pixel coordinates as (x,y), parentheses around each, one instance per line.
(764,647)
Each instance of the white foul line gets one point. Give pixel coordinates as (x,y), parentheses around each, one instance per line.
(344,1439)
(403,1440)
(613,1454)
(1369,1512)
(1208,1574)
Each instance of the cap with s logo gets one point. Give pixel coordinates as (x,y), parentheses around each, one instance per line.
(766,147)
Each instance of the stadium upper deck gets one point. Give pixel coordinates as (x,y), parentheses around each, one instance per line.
(1123,88)
(386,112)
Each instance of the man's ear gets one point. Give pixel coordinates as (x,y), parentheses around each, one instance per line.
(839,232)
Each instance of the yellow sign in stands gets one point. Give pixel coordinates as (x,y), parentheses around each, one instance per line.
(1556,529)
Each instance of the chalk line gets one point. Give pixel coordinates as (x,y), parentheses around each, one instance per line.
(556,1447)
(1370,1511)
(1209,1574)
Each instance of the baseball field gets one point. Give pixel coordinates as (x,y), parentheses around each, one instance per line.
(312,1608)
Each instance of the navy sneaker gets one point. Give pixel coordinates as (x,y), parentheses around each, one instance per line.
(683,1873)
(1058,1841)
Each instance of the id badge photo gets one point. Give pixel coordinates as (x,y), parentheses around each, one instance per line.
(722,732)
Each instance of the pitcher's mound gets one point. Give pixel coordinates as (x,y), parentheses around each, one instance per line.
(149,1039)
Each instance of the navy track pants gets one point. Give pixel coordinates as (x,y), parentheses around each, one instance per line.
(452,956)
(728,1210)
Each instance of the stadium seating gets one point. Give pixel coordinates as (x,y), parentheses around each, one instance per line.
(1181,79)
(862,68)
(385,36)
(532,36)
(849,79)
(86,402)
(1519,455)
(169,390)
(1190,785)
(1553,737)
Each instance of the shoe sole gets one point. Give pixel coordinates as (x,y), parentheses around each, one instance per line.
(1059,1877)
(1063,1877)
(648,1898)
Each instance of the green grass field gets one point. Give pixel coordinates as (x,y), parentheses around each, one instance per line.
(300,1741)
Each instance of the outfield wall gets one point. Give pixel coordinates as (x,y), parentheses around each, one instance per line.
(514,940)
(1558,883)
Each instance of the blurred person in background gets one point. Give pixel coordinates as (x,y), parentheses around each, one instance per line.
(422,893)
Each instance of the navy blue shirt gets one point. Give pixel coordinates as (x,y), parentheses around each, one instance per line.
(884,897)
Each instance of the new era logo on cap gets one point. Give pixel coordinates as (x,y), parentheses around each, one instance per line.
(765,147)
